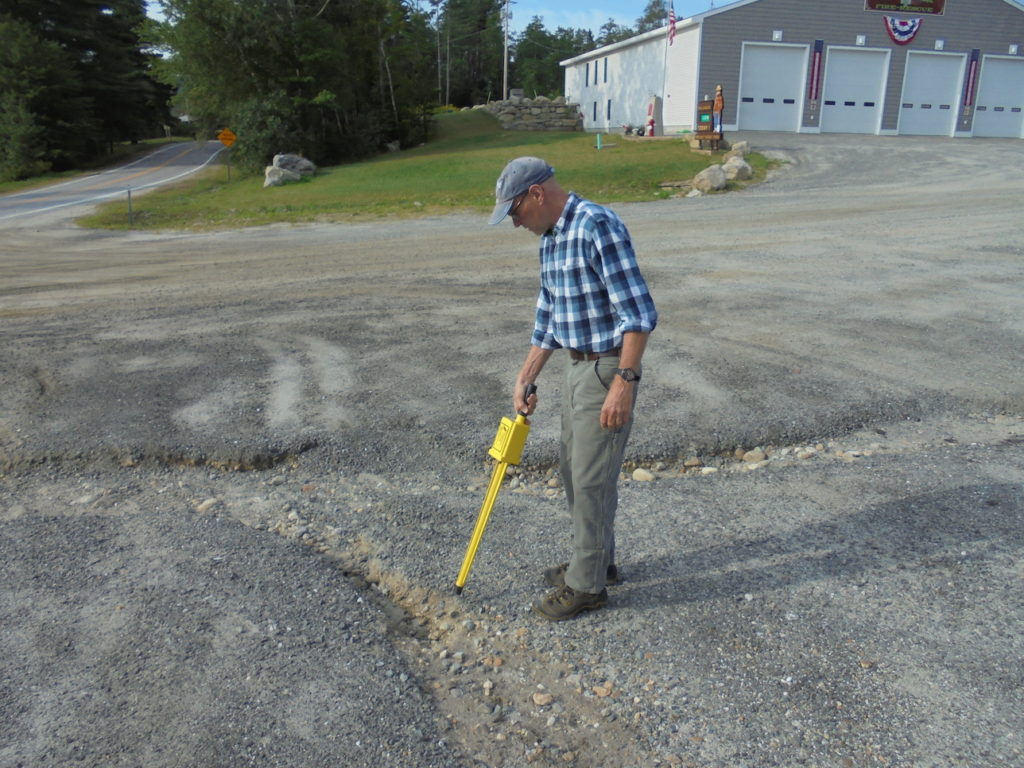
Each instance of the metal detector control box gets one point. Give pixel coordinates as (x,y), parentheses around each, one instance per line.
(509,442)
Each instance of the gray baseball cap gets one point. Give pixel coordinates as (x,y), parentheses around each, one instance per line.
(518,176)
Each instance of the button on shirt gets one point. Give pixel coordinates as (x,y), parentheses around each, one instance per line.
(591,290)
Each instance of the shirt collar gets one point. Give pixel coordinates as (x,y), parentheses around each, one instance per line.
(568,212)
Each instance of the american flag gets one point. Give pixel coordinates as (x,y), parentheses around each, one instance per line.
(671,23)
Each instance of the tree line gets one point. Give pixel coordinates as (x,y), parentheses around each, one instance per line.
(74,80)
(332,79)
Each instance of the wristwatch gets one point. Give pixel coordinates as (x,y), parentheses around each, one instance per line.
(628,374)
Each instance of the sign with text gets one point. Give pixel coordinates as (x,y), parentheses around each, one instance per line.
(926,7)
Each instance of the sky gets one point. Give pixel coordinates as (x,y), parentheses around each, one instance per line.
(577,14)
(592,14)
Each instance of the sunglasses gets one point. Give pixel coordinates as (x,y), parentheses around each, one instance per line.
(514,210)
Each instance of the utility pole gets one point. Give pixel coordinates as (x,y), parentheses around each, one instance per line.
(506,17)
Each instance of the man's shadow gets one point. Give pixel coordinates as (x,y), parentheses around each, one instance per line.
(915,534)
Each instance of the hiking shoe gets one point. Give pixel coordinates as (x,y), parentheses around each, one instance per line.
(565,602)
(555,576)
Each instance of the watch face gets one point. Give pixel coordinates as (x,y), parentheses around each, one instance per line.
(627,373)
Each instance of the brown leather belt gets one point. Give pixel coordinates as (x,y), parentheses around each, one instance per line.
(578,356)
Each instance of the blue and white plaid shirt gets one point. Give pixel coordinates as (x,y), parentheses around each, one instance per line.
(591,290)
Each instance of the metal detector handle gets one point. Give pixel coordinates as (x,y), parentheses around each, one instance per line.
(531,389)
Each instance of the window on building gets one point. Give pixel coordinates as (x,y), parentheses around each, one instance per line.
(608,117)
(595,111)
(606,69)
(586,75)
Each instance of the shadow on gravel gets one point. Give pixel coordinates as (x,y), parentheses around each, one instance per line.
(914,536)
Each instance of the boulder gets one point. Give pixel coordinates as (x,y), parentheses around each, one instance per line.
(710,179)
(737,169)
(295,163)
(274,176)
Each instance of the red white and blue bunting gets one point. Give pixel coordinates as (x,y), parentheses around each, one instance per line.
(901,31)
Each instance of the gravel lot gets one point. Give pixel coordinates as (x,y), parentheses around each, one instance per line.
(240,471)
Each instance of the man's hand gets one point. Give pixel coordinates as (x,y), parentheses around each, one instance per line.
(618,404)
(535,360)
(522,403)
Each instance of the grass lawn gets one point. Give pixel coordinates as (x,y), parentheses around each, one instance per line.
(455,171)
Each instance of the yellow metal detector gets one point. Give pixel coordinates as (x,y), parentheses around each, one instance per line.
(507,450)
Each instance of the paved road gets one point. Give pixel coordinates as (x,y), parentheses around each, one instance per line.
(165,165)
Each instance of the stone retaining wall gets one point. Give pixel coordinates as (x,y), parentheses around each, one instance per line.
(539,114)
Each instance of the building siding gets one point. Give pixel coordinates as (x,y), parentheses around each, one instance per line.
(990,25)
(635,73)
(708,50)
(680,103)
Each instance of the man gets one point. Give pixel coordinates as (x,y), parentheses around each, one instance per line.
(594,303)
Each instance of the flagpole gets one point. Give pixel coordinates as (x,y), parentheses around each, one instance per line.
(669,38)
(664,80)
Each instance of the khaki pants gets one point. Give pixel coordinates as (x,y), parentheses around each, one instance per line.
(591,459)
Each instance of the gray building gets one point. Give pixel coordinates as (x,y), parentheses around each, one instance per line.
(922,67)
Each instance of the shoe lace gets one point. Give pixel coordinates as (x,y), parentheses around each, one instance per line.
(563,595)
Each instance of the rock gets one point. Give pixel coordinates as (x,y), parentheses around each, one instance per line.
(206,506)
(643,475)
(754,456)
(695,193)
(711,179)
(542,699)
(295,164)
(276,177)
(694,462)
(740,149)
(737,169)
(603,691)
(709,470)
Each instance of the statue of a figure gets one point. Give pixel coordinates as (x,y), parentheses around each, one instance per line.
(717,109)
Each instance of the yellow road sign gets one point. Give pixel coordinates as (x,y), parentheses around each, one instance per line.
(227,137)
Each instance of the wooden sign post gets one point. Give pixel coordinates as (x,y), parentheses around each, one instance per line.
(227,138)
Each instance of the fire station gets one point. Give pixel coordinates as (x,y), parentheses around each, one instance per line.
(887,67)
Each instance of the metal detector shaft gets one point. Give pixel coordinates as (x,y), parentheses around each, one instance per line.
(507,450)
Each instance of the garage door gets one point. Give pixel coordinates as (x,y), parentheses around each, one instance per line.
(1000,99)
(931,92)
(853,91)
(771,87)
